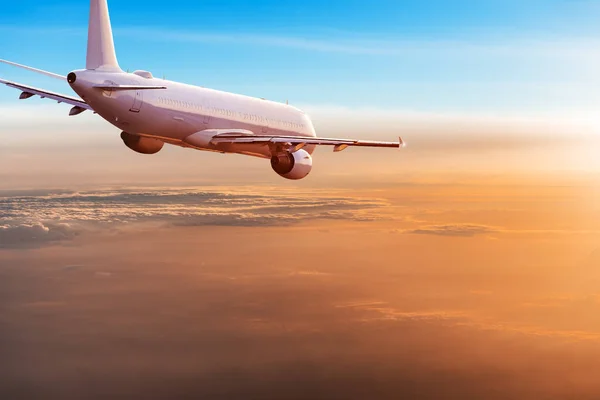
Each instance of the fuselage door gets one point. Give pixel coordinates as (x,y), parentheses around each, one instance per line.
(205,111)
(138,100)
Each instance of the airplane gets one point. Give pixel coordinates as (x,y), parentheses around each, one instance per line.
(151,112)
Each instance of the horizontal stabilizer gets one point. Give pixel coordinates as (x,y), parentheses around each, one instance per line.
(39,71)
(128,87)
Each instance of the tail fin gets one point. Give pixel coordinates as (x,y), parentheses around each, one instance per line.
(101,48)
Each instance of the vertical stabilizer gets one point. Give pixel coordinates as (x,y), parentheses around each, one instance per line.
(101,48)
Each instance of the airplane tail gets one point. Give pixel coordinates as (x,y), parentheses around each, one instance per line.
(101,48)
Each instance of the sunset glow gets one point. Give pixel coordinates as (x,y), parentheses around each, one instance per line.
(463,266)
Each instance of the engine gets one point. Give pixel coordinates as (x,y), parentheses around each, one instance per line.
(142,144)
(294,165)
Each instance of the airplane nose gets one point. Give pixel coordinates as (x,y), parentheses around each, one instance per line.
(72,77)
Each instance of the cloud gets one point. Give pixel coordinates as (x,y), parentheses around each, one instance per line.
(310,273)
(300,43)
(186,317)
(377,312)
(217,339)
(25,235)
(39,218)
(459,230)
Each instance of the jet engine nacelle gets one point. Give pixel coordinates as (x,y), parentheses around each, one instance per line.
(294,165)
(142,144)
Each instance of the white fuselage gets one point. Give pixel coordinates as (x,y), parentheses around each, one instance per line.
(180,110)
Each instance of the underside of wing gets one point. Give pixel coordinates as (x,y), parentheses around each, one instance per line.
(29,91)
(297,142)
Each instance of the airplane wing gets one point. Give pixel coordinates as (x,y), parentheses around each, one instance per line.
(29,91)
(128,87)
(297,142)
(39,71)
(79,105)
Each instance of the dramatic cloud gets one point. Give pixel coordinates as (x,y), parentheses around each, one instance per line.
(284,310)
(40,217)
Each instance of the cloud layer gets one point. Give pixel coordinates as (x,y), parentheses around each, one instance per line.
(289,314)
(36,218)
(464,230)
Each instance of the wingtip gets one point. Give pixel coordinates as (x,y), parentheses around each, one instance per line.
(401,142)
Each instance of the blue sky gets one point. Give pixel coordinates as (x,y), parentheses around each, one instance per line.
(494,56)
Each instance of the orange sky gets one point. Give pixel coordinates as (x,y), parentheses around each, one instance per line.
(468,259)
(58,152)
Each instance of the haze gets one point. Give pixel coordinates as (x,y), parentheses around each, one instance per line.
(423,284)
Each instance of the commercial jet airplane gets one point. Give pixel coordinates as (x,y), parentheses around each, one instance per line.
(151,112)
